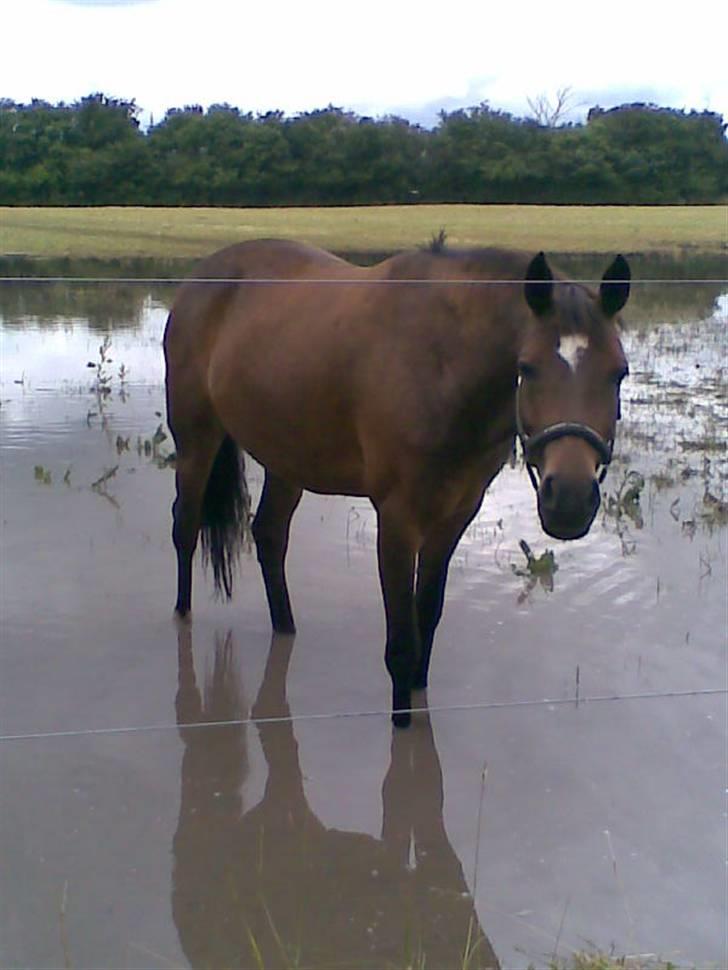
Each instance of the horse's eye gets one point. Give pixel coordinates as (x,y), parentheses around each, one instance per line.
(526,370)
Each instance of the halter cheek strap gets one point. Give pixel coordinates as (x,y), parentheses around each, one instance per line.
(562,429)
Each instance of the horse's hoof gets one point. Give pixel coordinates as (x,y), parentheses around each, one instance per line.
(286,628)
(401,719)
(183,617)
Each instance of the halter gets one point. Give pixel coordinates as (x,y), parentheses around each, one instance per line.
(562,429)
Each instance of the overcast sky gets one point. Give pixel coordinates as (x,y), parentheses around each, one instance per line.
(374,57)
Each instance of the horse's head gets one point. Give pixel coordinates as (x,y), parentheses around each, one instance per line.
(570,367)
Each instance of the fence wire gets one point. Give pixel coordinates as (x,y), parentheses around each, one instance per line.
(575,701)
(265,281)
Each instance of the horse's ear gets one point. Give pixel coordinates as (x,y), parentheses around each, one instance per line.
(614,291)
(539,285)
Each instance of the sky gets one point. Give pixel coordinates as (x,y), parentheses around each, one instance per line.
(374,57)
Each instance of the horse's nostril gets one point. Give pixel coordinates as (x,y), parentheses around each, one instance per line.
(568,499)
(548,491)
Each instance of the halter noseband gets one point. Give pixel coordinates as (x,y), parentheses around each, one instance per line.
(562,429)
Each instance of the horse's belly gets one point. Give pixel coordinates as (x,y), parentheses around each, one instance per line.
(324,473)
(316,451)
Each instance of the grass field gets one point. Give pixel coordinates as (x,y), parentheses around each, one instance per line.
(155,232)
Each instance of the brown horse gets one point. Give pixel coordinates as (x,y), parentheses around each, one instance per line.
(405,382)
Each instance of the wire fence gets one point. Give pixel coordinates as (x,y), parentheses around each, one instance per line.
(575,701)
(267,281)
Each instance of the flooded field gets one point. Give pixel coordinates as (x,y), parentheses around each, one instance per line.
(567,788)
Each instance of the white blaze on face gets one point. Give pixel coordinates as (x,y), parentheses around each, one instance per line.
(572,347)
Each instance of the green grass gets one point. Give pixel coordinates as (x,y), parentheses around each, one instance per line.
(110,233)
(600,961)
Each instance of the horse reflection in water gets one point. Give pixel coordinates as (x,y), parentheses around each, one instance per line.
(274,887)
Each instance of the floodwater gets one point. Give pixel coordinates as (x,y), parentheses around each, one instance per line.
(566,790)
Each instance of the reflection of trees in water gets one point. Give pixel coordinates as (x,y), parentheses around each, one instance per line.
(661,302)
(272,886)
(101,305)
(653,303)
(106,305)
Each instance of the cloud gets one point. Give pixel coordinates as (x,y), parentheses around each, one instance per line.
(295,57)
(427,112)
(105,3)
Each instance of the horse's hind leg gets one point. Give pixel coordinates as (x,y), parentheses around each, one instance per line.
(433,563)
(194,462)
(271,528)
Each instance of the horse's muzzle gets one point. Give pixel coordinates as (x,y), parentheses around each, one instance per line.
(567,506)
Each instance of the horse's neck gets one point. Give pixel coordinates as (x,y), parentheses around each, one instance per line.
(490,334)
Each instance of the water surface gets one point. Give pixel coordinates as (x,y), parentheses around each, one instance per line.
(520,817)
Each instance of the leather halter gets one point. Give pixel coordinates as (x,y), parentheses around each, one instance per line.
(531,443)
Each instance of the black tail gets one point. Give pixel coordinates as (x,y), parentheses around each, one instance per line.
(225,516)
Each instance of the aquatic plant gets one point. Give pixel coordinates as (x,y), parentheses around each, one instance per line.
(99,486)
(624,509)
(544,565)
(102,383)
(538,570)
(594,960)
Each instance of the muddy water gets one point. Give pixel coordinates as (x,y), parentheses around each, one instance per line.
(524,816)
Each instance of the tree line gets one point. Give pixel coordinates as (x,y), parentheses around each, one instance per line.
(95,152)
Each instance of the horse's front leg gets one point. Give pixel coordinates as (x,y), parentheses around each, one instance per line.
(397,548)
(434,561)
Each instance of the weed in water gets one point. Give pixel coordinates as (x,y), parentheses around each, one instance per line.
(593,960)
(544,565)
(101,386)
(714,508)
(43,475)
(626,501)
(158,437)
(102,383)
(662,480)
(103,479)
(99,486)
(63,928)
(624,508)
(539,569)
(714,511)
(150,448)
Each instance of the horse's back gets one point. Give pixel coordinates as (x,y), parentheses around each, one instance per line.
(251,345)
(216,280)
(264,259)
(333,379)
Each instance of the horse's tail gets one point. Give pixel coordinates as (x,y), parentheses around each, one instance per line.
(225,516)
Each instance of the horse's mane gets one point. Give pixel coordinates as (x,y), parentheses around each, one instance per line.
(577,301)
(476,263)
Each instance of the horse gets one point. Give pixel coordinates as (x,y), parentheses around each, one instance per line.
(406,382)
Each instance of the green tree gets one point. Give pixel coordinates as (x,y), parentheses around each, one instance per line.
(94,152)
